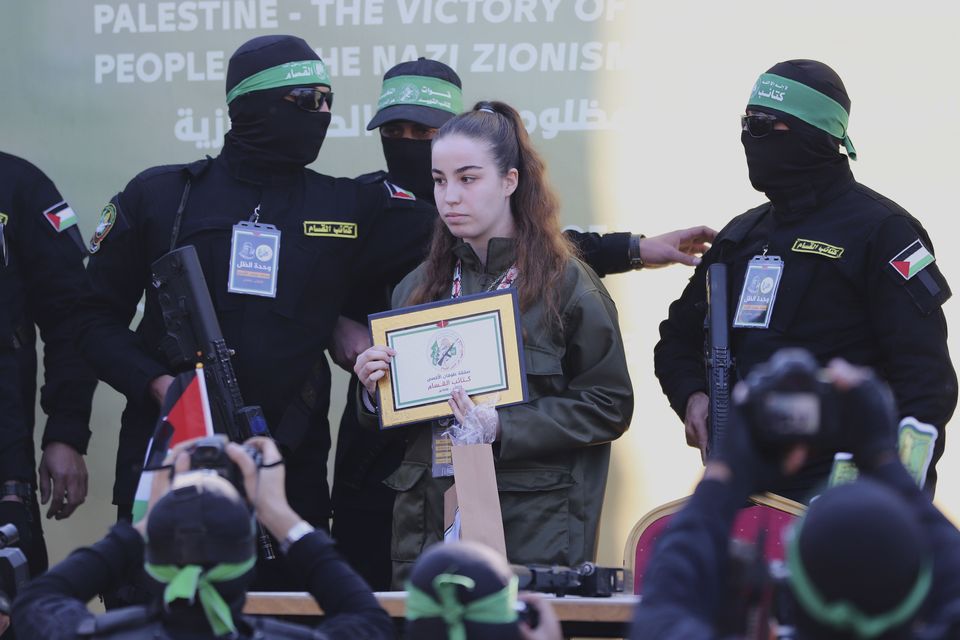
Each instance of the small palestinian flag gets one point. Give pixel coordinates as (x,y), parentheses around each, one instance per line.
(912,260)
(186,415)
(398,192)
(61,216)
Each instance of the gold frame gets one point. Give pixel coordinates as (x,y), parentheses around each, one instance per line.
(502,302)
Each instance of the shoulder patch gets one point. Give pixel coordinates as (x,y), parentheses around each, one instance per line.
(912,260)
(802,245)
(398,192)
(60,216)
(108,218)
(4,218)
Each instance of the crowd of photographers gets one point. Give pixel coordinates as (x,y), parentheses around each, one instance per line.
(871,559)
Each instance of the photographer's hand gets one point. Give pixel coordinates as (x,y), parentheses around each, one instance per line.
(265,486)
(548,627)
(868,412)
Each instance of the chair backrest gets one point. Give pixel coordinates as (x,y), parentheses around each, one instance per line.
(768,512)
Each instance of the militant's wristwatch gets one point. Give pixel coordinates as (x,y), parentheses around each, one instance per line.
(18,488)
(633,251)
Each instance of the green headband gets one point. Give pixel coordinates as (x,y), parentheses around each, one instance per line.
(845,615)
(496,608)
(304,72)
(421,91)
(807,104)
(186,582)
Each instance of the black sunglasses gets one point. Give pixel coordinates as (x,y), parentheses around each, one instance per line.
(758,125)
(310,98)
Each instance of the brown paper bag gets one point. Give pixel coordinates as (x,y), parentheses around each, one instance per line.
(475,492)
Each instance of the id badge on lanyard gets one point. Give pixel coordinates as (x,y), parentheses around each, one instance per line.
(759,292)
(441,450)
(254,259)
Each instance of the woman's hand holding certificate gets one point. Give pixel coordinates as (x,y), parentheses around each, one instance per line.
(373,364)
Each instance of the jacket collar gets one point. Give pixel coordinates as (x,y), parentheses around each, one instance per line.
(501,254)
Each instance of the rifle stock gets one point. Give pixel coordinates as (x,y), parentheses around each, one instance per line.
(717,353)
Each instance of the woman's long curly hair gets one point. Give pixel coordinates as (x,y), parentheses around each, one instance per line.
(542,249)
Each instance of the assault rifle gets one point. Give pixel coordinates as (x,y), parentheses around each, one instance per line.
(193,336)
(586,579)
(717,353)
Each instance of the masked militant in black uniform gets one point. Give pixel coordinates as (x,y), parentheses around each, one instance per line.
(41,279)
(827,264)
(280,247)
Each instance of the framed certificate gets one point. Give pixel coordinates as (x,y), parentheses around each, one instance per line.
(473,342)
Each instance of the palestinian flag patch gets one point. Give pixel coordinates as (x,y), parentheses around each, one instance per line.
(60,216)
(912,260)
(398,192)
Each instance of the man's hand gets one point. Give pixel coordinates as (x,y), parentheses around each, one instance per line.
(265,486)
(684,246)
(350,339)
(695,421)
(158,388)
(63,477)
(549,626)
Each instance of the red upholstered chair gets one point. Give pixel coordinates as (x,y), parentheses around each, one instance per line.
(768,511)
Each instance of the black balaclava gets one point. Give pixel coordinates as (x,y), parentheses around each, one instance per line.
(793,166)
(268,132)
(192,527)
(423,91)
(859,547)
(409,165)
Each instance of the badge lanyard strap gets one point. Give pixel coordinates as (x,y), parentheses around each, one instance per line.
(504,281)
(181,208)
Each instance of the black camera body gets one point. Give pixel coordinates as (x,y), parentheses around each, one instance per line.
(14,571)
(587,579)
(787,401)
(210,453)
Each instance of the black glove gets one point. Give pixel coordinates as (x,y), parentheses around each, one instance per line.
(869,422)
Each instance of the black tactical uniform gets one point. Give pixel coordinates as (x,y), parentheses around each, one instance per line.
(41,278)
(277,340)
(325,226)
(858,280)
(362,504)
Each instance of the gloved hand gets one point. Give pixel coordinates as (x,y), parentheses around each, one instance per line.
(868,413)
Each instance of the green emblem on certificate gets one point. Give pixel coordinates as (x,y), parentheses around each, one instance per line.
(473,342)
